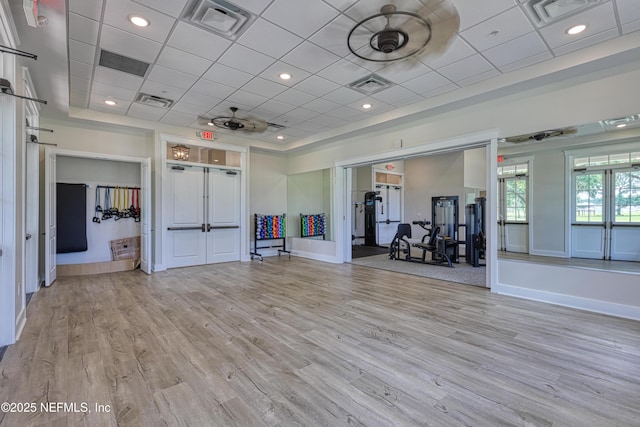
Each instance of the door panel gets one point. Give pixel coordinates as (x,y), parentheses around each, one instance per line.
(145,212)
(587,241)
(186,241)
(625,243)
(516,237)
(50,219)
(223,244)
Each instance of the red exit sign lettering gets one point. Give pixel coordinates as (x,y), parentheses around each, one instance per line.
(206,134)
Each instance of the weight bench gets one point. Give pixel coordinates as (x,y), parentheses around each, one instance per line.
(436,245)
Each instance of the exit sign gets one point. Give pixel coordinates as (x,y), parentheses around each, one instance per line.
(205,134)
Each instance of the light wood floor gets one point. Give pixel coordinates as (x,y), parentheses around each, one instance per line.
(292,342)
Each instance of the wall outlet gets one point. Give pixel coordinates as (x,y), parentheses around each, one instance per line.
(397,144)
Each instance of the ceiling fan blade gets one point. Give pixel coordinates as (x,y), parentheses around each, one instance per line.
(252,124)
(445,24)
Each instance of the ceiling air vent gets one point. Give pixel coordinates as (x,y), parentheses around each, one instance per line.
(544,12)
(220,17)
(153,101)
(123,63)
(370,84)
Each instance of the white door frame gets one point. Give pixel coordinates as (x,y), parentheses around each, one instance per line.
(343,187)
(146,199)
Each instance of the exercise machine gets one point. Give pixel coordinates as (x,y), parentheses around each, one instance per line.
(444,215)
(400,248)
(475,241)
(370,199)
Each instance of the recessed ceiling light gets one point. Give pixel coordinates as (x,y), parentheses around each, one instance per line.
(576,29)
(210,124)
(285,76)
(280,137)
(366,106)
(139,21)
(621,125)
(110,102)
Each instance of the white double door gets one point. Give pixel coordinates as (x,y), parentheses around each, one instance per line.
(203,209)
(389,213)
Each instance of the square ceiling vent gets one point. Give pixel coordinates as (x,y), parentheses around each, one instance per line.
(153,100)
(544,12)
(219,17)
(370,84)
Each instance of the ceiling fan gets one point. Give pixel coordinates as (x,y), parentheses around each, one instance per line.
(392,34)
(539,136)
(233,123)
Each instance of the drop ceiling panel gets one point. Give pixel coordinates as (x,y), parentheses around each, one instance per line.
(294,97)
(127,44)
(628,10)
(328,122)
(117,12)
(268,38)
(272,109)
(498,30)
(343,96)
(300,114)
(177,118)
(217,90)
(343,72)
(341,4)
(91,9)
(466,68)
(517,50)
(394,94)
(255,6)
(471,14)
(146,112)
(440,90)
(264,87)
(116,109)
(478,77)
(117,78)
(459,49)
(80,69)
(80,84)
(245,59)
(403,71)
(525,62)
(170,7)
(83,29)
(200,99)
(78,98)
(190,109)
(600,19)
(82,52)
(160,74)
(273,73)
(321,105)
(183,61)
(248,100)
(586,42)
(227,76)
(631,27)
(427,83)
(310,57)
(346,113)
(108,90)
(332,36)
(198,42)
(301,17)
(162,90)
(317,86)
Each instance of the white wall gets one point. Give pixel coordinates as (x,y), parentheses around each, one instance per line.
(432,176)
(93,172)
(306,194)
(475,168)
(267,190)
(547,204)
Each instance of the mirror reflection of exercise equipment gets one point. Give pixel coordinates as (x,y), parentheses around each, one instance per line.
(370,199)
(476,241)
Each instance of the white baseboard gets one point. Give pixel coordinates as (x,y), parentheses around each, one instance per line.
(21,321)
(316,257)
(603,307)
(555,254)
(159,267)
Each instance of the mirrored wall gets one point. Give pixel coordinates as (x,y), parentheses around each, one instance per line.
(309,205)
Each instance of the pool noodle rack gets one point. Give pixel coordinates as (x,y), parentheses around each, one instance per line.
(313,225)
(270,227)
